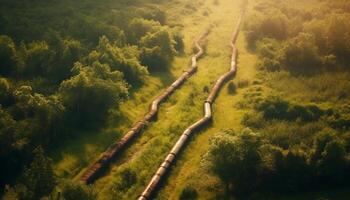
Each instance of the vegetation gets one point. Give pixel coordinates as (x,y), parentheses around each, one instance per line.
(298,139)
(70,69)
(70,78)
(188,193)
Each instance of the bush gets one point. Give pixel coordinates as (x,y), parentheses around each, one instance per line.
(300,55)
(235,159)
(268,50)
(231,88)
(188,193)
(153,13)
(128,178)
(276,108)
(73,191)
(259,26)
(125,60)
(139,27)
(158,49)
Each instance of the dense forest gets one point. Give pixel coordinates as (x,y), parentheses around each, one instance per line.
(298,125)
(66,66)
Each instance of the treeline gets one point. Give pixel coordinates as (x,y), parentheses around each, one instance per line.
(248,162)
(67,65)
(302,41)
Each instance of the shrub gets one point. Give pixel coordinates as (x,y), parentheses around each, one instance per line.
(276,108)
(125,60)
(235,159)
(139,27)
(231,88)
(73,191)
(329,157)
(188,193)
(127,179)
(300,54)
(259,26)
(158,49)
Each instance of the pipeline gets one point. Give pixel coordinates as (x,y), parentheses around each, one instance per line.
(165,165)
(94,170)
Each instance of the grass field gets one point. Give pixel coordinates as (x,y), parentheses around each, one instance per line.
(186,105)
(188,170)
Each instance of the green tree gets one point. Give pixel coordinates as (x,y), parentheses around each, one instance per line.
(300,54)
(37,57)
(5,93)
(125,60)
(337,37)
(235,159)
(8,56)
(67,52)
(90,94)
(188,193)
(158,49)
(39,177)
(329,157)
(139,27)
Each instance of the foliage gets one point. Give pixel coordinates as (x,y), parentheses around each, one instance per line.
(125,60)
(74,74)
(311,40)
(128,178)
(90,94)
(304,137)
(300,54)
(276,108)
(188,193)
(8,56)
(73,191)
(38,179)
(235,159)
(231,88)
(158,49)
(248,162)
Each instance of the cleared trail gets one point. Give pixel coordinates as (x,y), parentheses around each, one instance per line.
(96,168)
(166,164)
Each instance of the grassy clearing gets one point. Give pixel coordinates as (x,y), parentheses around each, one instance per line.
(184,107)
(188,170)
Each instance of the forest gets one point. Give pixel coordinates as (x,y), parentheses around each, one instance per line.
(65,66)
(74,75)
